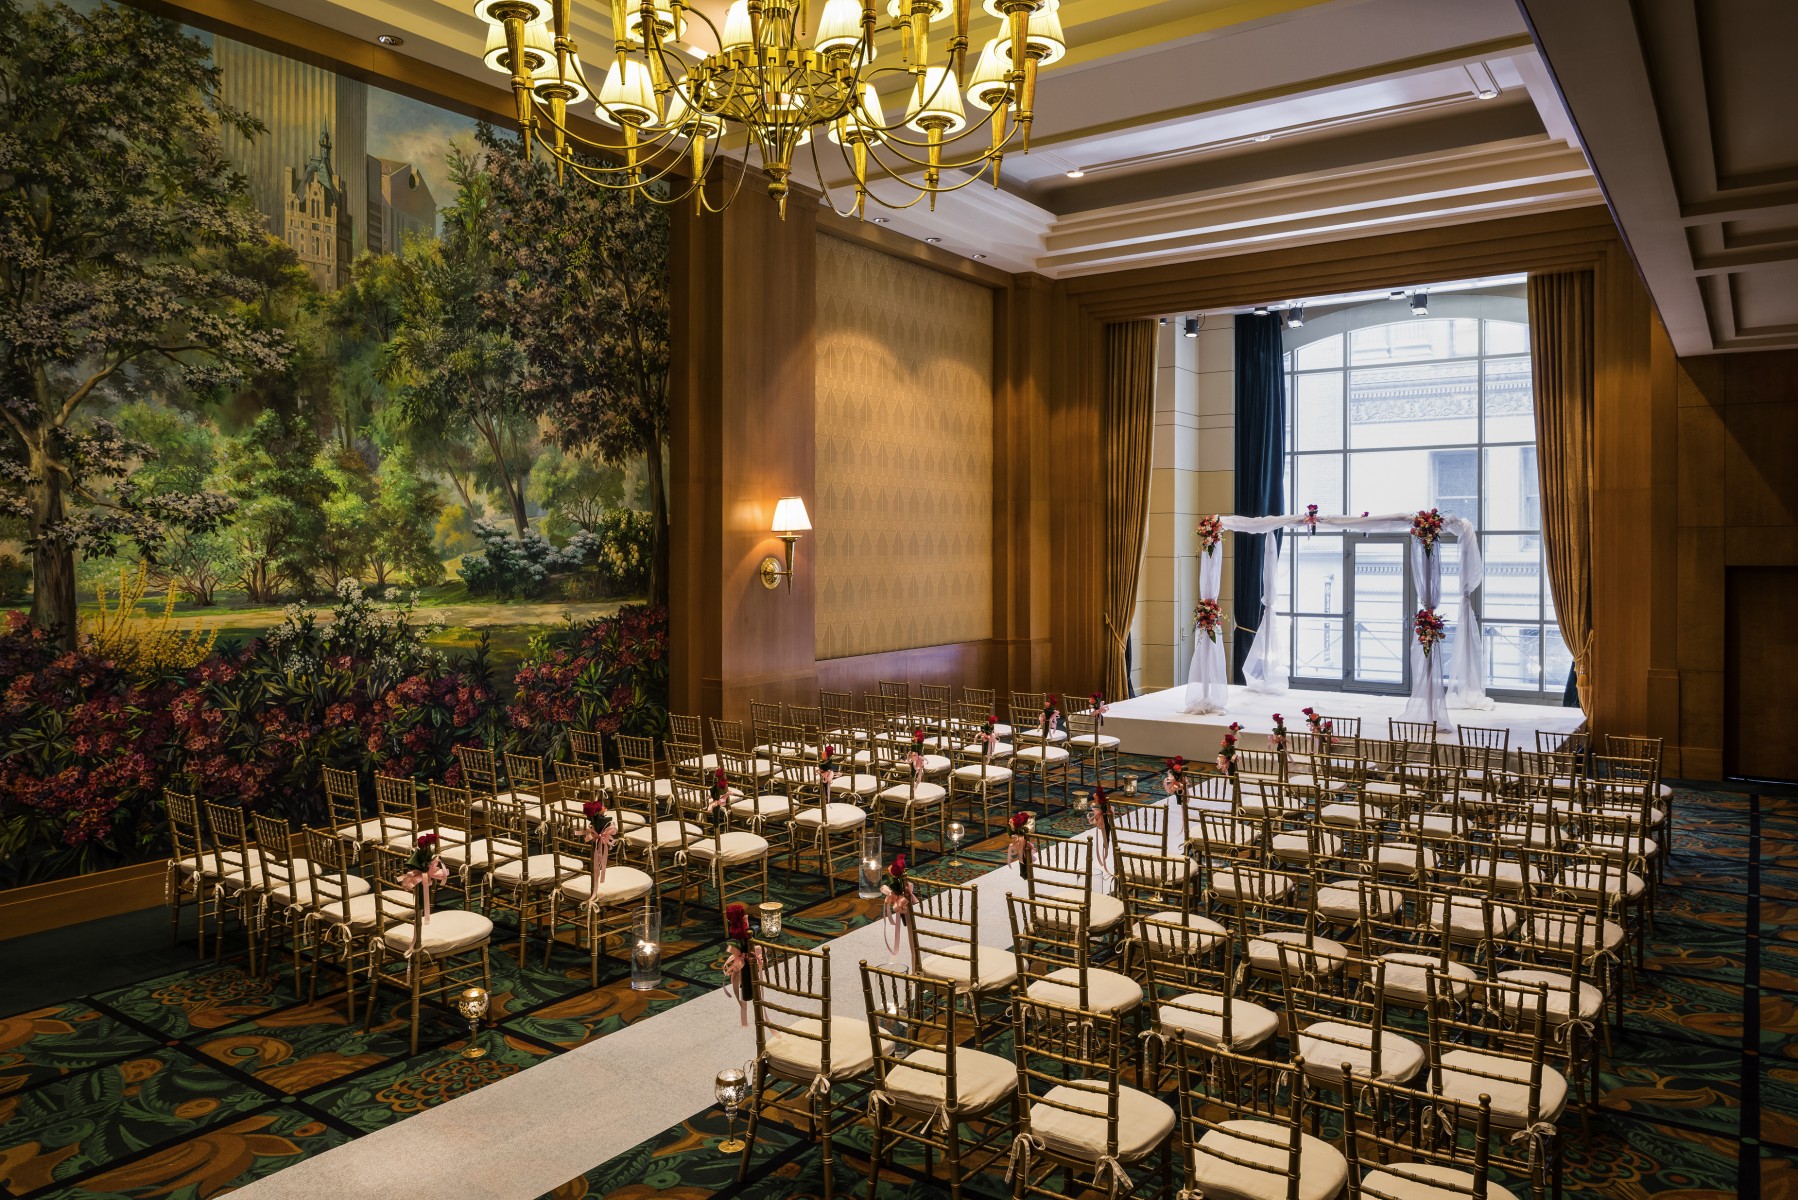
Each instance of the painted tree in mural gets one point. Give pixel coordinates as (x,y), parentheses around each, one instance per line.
(116,200)
(452,359)
(587,300)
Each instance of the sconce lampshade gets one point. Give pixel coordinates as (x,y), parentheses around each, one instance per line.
(790,515)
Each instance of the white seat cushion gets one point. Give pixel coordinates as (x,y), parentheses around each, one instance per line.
(1106,991)
(1210,933)
(1094,741)
(1591,1000)
(309,891)
(1249,884)
(982,1081)
(859,783)
(1344,901)
(798,1057)
(1398,859)
(395,903)
(917,793)
(733,847)
(1561,931)
(542,871)
(1200,1017)
(833,817)
(666,836)
(1000,749)
(997,968)
(1143,1121)
(1407,976)
(1466,917)
(478,852)
(1296,847)
(1044,755)
(1103,911)
(1323,1171)
(1326,1045)
(370,830)
(772,806)
(978,771)
(621,886)
(1587,880)
(1426,1181)
(1510,1090)
(1035,734)
(1264,952)
(449,931)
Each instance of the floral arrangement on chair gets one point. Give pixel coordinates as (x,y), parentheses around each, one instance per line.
(423,869)
(915,757)
(896,900)
(1174,783)
(601,833)
(742,958)
(1208,618)
(1098,709)
(1211,533)
(1226,752)
(1310,519)
(987,738)
(717,810)
(1426,527)
(828,766)
(1430,630)
(1021,849)
(1277,742)
(1099,815)
(1323,727)
(1050,717)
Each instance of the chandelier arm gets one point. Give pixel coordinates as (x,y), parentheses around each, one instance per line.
(897,145)
(736,189)
(637,179)
(661,138)
(925,190)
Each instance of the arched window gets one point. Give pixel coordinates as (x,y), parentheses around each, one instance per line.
(1388,412)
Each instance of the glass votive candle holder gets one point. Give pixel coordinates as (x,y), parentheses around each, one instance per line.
(646,950)
(770,912)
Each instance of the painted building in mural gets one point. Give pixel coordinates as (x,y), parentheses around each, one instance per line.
(400,205)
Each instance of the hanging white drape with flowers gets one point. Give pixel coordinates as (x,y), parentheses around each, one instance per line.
(1207,685)
(1465,662)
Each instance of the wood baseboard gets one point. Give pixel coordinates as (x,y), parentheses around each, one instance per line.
(61,902)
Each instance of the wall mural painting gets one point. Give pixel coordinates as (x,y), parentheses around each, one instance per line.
(334,435)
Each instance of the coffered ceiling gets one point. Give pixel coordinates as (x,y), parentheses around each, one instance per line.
(1686,109)
(1202,128)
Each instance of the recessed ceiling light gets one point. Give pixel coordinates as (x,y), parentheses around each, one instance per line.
(1486,93)
(1264,137)
(880,220)
(1261,310)
(980,258)
(391,39)
(1076,173)
(934,241)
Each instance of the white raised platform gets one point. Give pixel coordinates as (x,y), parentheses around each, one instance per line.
(1154,724)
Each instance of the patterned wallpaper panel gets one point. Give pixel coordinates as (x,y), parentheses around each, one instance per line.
(905,455)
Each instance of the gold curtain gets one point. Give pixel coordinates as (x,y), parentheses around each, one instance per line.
(1561,350)
(1129,433)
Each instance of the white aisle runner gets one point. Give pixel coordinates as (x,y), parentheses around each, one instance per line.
(530,1132)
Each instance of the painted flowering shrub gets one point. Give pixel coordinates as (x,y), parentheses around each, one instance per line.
(85,750)
(609,675)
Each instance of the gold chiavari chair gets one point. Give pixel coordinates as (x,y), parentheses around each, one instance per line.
(1242,1129)
(1087,741)
(1036,756)
(1195,991)
(730,735)
(836,708)
(342,912)
(759,806)
(945,943)
(287,886)
(1053,947)
(1211,834)
(685,728)
(343,800)
(657,844)
(1338,1018)
(1349,897)
(466,850)
(987,699)
(733,861)
(396,809)
(1413,953)
(909,799)
(1483,749)
(190,871)
(808,720)
(687,760)
(637,758)
(807,1058)
(478,773)
(427,958)
(1138,828)
(236,874)
(1276,913)
(1076,1116)
(1062,870)
(523,884)
(596,900)
(830,827)
(1495,1045)
(1573,980)
(1391,1156)
(927,1084)
(588,750)
(857,775)
(763,717)
(980,782)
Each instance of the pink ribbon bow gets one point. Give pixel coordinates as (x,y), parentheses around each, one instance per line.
(917,764)
(734,962)
(435,873)
(602,850)
(1019,849)
(897,907)
(1174,786)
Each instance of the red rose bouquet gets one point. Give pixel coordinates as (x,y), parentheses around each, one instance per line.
(1430,630)
(1021,849)
(1208,618)
(1426,527)
(1211,532)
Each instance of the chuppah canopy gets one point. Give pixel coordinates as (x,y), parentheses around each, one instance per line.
(1265,669)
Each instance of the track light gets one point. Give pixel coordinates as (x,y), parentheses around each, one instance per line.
(1192,327)
(1161,321)
(1420,304)
(1261,310)
(1295,317)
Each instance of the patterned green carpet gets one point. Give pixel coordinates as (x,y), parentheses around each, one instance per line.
(205,1079)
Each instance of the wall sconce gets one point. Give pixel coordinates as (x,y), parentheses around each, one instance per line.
(790,520)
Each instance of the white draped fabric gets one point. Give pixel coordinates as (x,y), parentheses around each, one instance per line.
(1265,668)
(1208,682)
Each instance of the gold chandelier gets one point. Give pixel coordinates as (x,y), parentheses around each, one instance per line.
(776,80)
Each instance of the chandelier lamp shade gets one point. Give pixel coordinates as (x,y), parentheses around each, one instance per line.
(772,79)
